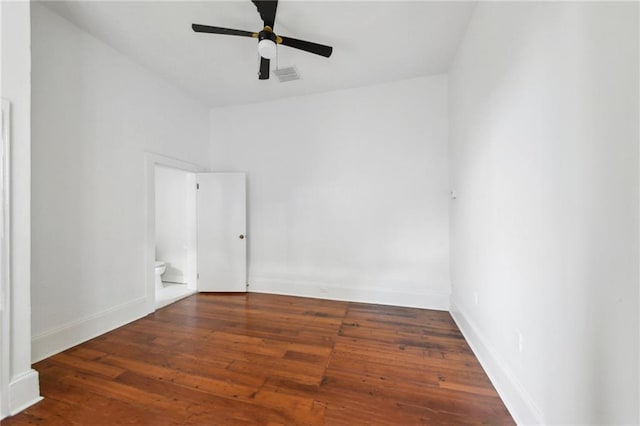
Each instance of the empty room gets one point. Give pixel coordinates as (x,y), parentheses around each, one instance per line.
(320,212)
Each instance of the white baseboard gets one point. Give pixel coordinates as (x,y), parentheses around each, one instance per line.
(517,400)
(318,290)
(24,391)
(71,334)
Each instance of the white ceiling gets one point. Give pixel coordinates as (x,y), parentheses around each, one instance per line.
(373,42)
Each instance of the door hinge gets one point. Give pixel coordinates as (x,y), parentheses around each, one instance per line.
(197,186)
(198,275)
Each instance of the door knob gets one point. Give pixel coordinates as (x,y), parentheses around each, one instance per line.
(241,237)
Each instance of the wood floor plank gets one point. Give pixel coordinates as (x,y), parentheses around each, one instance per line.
(97,367)
(247,359)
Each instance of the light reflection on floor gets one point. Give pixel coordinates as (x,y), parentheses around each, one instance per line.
(172,293)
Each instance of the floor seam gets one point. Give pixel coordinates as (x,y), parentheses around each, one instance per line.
(333,346)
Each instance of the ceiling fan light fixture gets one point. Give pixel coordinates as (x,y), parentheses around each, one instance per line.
(267,40)
(267,48)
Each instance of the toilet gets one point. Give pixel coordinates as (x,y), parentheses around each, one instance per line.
(159,269)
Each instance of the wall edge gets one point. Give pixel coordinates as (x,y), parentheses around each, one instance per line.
(515,397)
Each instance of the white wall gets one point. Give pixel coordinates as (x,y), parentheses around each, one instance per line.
(175,222)
(544,232)
(347,192)
(15,87)
(95,112)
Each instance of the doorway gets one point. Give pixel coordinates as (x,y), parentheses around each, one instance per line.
(175,272)
(154,162)
(212,220)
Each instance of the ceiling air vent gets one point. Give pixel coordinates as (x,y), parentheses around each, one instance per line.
(287,74)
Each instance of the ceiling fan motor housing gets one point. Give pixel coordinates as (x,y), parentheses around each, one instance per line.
(267,34)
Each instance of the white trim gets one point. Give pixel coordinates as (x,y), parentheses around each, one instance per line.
(75,332)
(151,161)
(517,400)
(5,260)
(332,291)
(638,214)
(22,390)
(165,302)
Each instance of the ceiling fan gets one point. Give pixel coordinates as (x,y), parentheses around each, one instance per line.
(267,39)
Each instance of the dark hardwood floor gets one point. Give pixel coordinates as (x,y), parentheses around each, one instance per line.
(262,359)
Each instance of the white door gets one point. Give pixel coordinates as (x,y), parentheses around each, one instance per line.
(222,247)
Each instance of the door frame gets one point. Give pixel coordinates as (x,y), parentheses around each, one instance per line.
(5,259)
(152,160)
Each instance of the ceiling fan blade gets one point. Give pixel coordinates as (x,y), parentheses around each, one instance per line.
(219,30)
(307,46)
(264,69)
(267,10)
